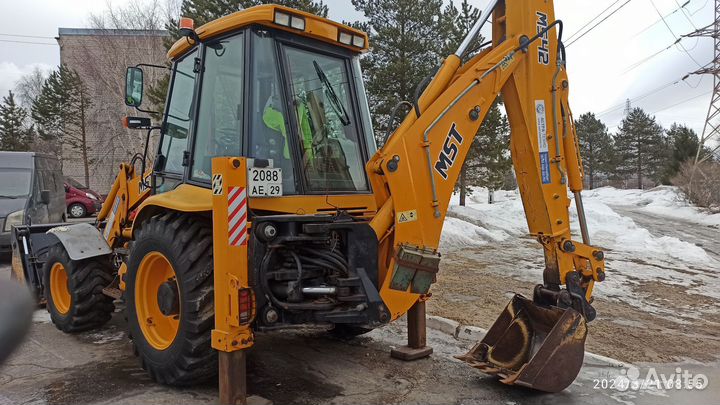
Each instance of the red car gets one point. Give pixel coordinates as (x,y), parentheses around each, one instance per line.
(80,200)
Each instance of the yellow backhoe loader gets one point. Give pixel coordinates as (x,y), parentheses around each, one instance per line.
(268,205)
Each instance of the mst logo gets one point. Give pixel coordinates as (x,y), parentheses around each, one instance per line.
(449,153)
(544,48)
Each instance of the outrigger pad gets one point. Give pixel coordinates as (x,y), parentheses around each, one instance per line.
(531,345)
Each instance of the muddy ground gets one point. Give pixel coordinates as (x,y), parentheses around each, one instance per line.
(659,324)
(659,321)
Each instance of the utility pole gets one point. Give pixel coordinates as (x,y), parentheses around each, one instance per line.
(711,130)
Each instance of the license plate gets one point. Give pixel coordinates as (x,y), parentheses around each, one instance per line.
(265,182)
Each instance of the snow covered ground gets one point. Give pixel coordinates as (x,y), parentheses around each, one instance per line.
(663,200)
(635,255)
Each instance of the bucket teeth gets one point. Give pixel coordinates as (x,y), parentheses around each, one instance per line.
(532,345)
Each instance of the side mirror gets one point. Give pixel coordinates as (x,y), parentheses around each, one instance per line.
(45,197)
(133,87)
(67,188)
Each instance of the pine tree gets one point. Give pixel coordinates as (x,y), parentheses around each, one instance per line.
(684,144)
(456,23)
(641,148)
(61,113)
(15,135)
(596,147)
(488,160)
(406,40)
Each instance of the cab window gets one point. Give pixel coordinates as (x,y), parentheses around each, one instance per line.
(179,114)
(269,130)
(326,125)
(220,118)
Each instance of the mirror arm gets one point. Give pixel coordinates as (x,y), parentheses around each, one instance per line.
(154,66)
(147,111)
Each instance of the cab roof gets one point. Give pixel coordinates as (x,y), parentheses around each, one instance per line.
(315,27)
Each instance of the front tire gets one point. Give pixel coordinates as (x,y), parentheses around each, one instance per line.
(169,298)
(73,291)
(77,210)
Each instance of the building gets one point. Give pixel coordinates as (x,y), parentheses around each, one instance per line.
(101,56)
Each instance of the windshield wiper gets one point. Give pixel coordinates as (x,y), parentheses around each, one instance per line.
(332,96)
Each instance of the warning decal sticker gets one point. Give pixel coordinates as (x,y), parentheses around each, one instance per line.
(407,216)
(237,216)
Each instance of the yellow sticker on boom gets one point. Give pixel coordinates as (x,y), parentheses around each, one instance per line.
(407,216)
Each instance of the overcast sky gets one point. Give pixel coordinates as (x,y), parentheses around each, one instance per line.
(599,64)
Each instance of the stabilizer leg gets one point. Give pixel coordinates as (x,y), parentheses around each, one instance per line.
(233,380)
(417,338)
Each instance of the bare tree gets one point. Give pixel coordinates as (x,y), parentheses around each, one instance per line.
(121,36)
(29,86)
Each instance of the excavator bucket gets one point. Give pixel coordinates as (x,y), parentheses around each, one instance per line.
(533,346)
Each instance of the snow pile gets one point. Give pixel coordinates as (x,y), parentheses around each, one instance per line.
(613,231)
(662,200)
(480,223)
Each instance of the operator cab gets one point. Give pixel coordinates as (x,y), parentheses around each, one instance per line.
(284,91)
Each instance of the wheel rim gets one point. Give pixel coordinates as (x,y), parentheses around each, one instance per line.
(59,290)
(76,211)
(159,330)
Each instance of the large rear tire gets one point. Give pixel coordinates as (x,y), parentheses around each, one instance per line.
(73,291)
(169,298)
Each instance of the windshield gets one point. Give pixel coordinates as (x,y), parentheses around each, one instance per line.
(74,183)
(14,183)
(331,148)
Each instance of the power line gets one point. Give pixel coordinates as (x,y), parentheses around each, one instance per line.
(687,17)
(592,20)
(647,94)
(681,102)
(673,33)
(670,106)
(27,42)
(26,36)
(640,97)
(700,9)
(599,22)
(642,61)
(660,20)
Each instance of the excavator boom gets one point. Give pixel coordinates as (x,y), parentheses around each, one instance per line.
(415,172)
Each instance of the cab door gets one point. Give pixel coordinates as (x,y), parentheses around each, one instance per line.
(172,157)
(221,107)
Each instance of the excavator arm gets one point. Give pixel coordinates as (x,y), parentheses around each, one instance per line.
(414,174)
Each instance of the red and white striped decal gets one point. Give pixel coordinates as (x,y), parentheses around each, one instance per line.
(237,216)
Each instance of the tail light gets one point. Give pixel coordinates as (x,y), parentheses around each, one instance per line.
(246,306)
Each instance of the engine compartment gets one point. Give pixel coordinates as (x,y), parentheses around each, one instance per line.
(316,270)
